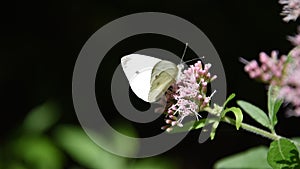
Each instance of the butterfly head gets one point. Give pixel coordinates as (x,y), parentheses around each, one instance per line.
(180,67)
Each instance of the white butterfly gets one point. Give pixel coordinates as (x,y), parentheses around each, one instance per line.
(149,77)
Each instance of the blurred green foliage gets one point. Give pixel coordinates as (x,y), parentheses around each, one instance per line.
(37,151)
(82,149)
(41,143)
(41,118)
(253,158)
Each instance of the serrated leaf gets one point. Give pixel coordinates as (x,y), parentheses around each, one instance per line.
(256,113)
(273,105)
(252,158)
(41,118)
(237,113)
(283,154)
(228,99)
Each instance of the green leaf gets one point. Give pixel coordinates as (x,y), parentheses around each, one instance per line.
(251,158)
(201,123)
(297,142)
(255,112)
(38,152)
(151,163)
(228,99)
(237,113)
(273,105)
(192,125)
(214,129)
(283,154)
(216,110)
(82,149)
(41,118)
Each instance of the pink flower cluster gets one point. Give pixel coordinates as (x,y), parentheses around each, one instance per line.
(295,40)
(189,96)
(291,9)
(283,72)
(290,90)
(271,69)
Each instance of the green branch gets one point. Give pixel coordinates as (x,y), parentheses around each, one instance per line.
(253,129)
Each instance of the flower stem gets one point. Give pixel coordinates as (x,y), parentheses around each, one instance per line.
(250,128)
(253,129)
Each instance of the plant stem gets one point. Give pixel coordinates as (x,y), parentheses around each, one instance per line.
(250,128)
(270,135)
(253,129)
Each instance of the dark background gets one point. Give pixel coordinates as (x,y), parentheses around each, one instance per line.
(40,42)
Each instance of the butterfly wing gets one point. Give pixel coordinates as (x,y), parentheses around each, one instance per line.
(163,75)
(138,69)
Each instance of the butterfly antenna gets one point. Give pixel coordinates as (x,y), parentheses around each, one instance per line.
(186,45)
(243,60)
(194,59)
